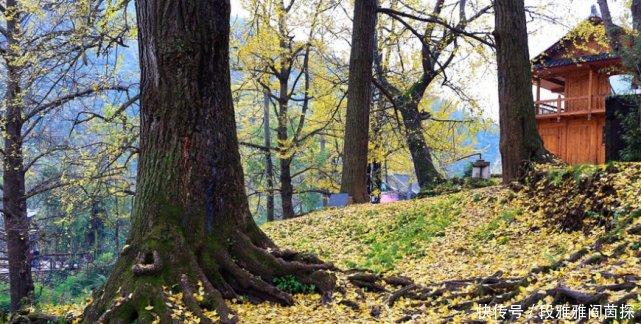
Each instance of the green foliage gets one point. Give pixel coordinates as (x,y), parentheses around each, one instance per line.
(66,287)
(631,124)
(5,301)
(291,285)
(467,172)
(576,172)
(411,229)
(457,184)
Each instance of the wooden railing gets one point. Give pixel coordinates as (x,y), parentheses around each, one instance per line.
(570,106)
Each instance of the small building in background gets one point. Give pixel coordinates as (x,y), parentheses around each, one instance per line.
(572,81)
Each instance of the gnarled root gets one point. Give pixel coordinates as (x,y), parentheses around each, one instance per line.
(173,280)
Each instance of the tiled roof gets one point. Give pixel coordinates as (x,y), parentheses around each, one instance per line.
(574,60)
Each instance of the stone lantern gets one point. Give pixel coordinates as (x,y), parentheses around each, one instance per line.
(481,169)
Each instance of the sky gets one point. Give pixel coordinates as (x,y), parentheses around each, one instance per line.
(540,39)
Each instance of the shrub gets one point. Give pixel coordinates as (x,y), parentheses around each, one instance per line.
(291,285)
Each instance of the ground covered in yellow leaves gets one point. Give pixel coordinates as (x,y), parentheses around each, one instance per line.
(563,239)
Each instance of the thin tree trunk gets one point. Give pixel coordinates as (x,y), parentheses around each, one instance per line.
(426,172)
(269,165)
(285,176)
(191,223)
(14,203)
(613,31)
(407,103)
(520,140)
(354,178)
(636,14)
(374,168)
(286,188)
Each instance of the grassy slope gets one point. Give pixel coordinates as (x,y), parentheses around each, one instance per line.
(466,235)
(472,234)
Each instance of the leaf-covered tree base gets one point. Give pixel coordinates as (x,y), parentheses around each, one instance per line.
(153,270)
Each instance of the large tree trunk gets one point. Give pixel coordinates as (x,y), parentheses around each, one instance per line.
(520,140)
(269,164)
(359,96)
(191,220)
(14,203)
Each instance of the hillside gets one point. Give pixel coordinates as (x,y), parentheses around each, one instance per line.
(577,228)
(570,235)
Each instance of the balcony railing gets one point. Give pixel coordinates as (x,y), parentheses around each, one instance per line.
(563,106)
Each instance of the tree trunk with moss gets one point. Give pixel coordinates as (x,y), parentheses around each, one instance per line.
(520,140)
(191,223)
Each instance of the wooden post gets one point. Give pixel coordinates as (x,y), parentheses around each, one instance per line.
(590,93)
(538,96)
(558,109)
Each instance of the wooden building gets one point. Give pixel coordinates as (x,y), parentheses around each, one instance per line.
(575,72)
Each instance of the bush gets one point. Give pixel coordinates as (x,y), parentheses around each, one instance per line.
(291,285)
(5,301)
(456,184)
(631,124)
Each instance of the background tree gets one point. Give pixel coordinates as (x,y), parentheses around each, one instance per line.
(282,53)
(359,96)
(626,43)
(50,53)
(520,140)
(198,228)
(441,38)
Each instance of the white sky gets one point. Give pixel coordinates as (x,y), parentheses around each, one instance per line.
(541,39)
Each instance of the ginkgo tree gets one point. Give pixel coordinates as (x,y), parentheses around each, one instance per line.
(191,224)
(445,32)
(285,62)
(53,57)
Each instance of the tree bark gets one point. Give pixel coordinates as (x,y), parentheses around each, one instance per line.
(286,187)
(613,31)
(636,14)
(269,164)
(426,172)
(354,178)
(407,103)
(191,221)
(520,140)
(13,195)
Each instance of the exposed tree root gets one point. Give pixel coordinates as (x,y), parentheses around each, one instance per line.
(242,269)
(33,318)
(497,289)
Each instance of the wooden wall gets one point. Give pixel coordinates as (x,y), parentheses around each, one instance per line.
(575,140)
(578,85)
